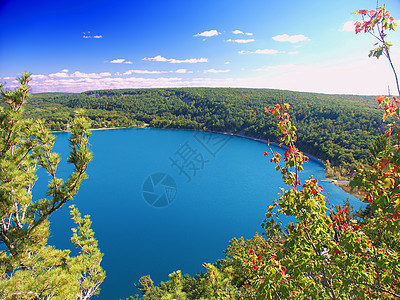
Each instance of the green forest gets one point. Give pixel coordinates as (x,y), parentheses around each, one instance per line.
(334,128)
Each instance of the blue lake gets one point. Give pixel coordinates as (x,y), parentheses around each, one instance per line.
(212,188)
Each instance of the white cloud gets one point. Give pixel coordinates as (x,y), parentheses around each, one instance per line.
(241,41)
(10,78)
(217,71)
(190,60)
(349,76)
(38,77)
(266,51)
(277,67)
(63,74)
(160,58)
(348,26)
(156,58)
(58,75)
(241,32)
(104,74)
(84,84)
(208,33)
(129,72)
(88,35)
(182,71)
(290,38)
(117,61)
(227,62)
(293,52)
(128,62)
(259,51)
(78,74)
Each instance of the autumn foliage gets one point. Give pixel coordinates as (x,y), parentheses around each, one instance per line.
(339,254)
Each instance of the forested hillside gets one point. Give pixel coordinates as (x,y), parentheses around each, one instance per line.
(337,128)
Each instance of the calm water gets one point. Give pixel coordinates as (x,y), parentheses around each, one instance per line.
(214,187)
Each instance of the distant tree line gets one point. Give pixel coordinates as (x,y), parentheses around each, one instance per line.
(334,128)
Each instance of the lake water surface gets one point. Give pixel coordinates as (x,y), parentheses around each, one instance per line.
(166,200)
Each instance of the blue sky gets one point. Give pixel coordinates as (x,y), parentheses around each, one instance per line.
(302,45)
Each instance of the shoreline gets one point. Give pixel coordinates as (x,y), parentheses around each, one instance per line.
(343,184)
(102,128)
(270,143)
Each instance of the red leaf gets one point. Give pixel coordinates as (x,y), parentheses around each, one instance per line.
(380,99)
(337,251)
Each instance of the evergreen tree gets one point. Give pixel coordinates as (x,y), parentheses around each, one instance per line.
(29,268)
